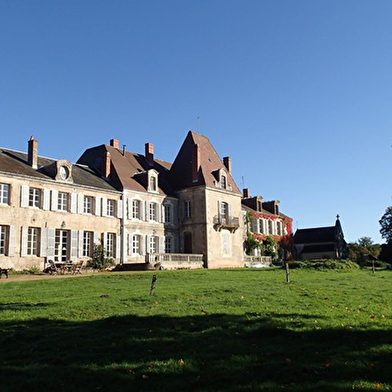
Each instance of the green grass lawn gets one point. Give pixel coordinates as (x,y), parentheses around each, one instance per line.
(230,330)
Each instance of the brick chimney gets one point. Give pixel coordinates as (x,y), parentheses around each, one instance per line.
(195,162)
(149,153)
(246,193)
(227,163)
(32,157)
(106,161)
(115,143)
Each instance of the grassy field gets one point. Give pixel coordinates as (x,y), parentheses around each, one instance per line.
(231,330)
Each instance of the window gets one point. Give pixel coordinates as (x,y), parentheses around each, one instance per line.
(224,209)
(110,207)
(168,213)
(153,244)
(136,244)
(136,209)
(4,193)
(153,183)
(261,224)
(168,245)
(62,204)
(61,245)
(34,197)
(153,212)
(188,210)
(32,241)
(111,238)
(88,205)
(270,230)
(3,239)
(279,228)
(87,243)
(259,206)
(223,181)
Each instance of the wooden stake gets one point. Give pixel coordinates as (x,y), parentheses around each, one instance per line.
(154,279)
(287,272)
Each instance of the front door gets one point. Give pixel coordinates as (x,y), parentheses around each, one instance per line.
(187,242)
(61,248)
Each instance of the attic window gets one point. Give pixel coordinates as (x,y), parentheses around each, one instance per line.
(152,181)
(259,206)
(223,181)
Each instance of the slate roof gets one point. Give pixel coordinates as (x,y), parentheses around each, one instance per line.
(210,163)
(126,169)
(315,235)
(318,248)
(15,162)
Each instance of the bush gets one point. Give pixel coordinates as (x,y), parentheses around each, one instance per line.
(100,259)
(325,264)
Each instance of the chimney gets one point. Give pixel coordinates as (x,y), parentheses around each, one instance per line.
(32,157)
(246,193)
(227,163)
(149,153)
(114,143)
(195,162)
(105,170)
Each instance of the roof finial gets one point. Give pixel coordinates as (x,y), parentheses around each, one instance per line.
(337,216)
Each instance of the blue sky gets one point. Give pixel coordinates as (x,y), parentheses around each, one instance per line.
(298,93)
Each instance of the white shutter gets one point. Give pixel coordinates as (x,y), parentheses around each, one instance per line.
(129,208)
(46,201)
(104,206)
(80,243)
(44,242)
(142,245)
(119,209)
(257,226)
(24,196)
(161,245)
(80,203)
(147,244)
(129,239)
(158,212)
(23,250)
(95,238)
(118,246)
(74,203)
(105,240)
(219,209)
(163,213)
(55,199)
(98,206)
(51,239)
(229,210)
(142,206)
(12,241)
(74,245)
(146,210)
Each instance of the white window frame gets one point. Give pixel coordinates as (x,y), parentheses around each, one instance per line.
(136,209)
(110,207)
(63,201)
(153,212)
(136,244)
(34,197)
(169,244)
(88,239)
(168,208)
(33,241)
(4,239)
(110,244)
(88,204)
(4,193)
(153,245)
(223,181)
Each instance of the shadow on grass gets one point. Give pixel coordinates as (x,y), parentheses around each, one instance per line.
(20,305)
(201,353)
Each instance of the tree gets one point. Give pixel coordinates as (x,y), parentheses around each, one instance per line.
(386,225)
(99,259)
(365,241)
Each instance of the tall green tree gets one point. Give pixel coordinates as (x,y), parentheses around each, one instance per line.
(386,225)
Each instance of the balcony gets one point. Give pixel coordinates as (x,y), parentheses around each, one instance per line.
(226,222)
(175,260)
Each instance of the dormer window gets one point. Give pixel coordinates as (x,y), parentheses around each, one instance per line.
(152,181)
(223,181)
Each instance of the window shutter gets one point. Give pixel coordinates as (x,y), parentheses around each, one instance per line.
(163,213)
(175,245)
(12,241)
(24,196)
(219,208)
(146,211)
(74,203)
(23,250)
(51,238)
(98,206)
(161,247)
(142,213)
(118,246)
(80,243)
(95,240)
(46,201)
(129,208)
(105,240)
(119,209)
(147,244)
(55,199)
(229,210)
(74,245)
(44,242)
(80,203)
(142,245)
(257,226)
(104,206)
(129,238)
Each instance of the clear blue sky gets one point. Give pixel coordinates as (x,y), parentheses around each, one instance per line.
(298,93)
